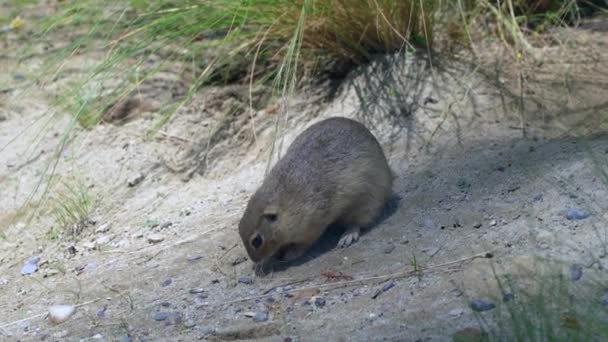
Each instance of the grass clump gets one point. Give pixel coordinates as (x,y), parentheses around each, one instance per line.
(548,307)
(73,205)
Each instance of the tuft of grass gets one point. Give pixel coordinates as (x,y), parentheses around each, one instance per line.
(548,307)
(73,206)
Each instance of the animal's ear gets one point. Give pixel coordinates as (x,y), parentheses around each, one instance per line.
(271,213)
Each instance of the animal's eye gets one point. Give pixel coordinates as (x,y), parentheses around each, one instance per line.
(271,217)
(257,241)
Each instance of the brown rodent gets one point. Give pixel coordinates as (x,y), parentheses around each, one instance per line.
(334,172)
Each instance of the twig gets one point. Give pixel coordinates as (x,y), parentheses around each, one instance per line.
(286,284)
(403,274)
(169,135)
(43,314)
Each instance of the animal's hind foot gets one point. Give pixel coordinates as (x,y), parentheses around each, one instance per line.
(349,237)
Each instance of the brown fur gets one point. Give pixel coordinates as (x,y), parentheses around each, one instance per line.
(334,172)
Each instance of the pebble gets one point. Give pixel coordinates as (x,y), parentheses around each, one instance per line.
(155,238)
(101,312)
(60,313)
(493,223)
(574,214)
(538,198)
(166,282)
(19,76)
(384,288)
(507,297)
(30,266)
(389,249)
(135,179)
(576,272)
(161,316)
(319,301)
(246,280)
(103,228)
(126,338)
(3,281)
(166,225)
(477,225)
(197,290)
(456,312)
(260,316)
(195,258)
(482,305)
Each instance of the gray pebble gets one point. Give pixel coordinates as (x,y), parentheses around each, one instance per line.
(126,338)
(30,266)
(507,297)
(538,198)
(477,225)
(135,179)
(605,299)
(195,258)
(573,214)
(389,249)
(319,302)
(576,272)
(161,316)
(456,312)
(482,305)
(246,280)
(260,316)
(197,290)
(166,282)
(166,225)
(19,76)
(101,312)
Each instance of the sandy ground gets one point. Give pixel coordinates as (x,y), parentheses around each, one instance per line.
(476,174)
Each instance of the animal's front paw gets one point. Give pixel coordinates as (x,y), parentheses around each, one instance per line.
(349,237)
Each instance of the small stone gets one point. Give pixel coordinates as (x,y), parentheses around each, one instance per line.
(60,313)
(155,238)
(166,225)
(500,169)
(260,316)
(126,338)
(493,223)
(185,212)
(389,248)
(3,281)
(197,290)
(507,297)
(30,266)
(477,225)
(97,337)
(72,250)
(482,305)
(319,301)
(195,258)
(538,198)
(137,235)
(576,272)
(166,282)
(135,179)
(161,316)
(574,214)
(165,304)
(19,76)
(246,280)
(103,228)
(101,312)
(456,312)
